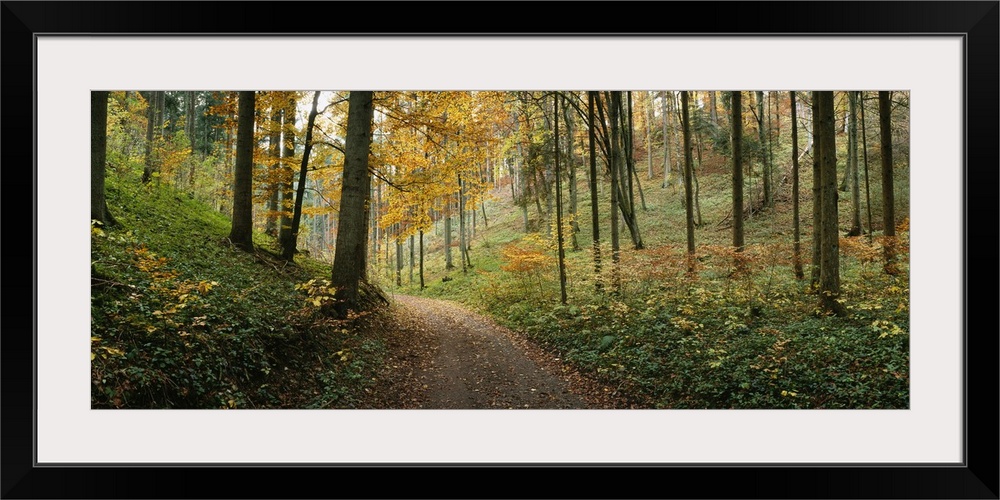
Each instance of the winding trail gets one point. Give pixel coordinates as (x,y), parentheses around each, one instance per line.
(443,356)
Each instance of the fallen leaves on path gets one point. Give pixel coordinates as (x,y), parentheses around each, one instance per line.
(443,356)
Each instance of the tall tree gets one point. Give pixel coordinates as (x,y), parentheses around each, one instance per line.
(852,163)
(241,234)
(559,228)
(762,135)
(667,137)
(151,100)
(814,274)
(888,196)
(688,187)
(594,216)
(287,170)
(829,234)
(349,266)
(613,166)
(737,126)
(98,157)
(289,243)
(797,250)
(864,149)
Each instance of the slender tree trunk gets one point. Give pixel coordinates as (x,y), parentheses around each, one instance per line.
(461,223)
(613,163)
(241,234)
(830,234)
(594,216)
(448,263)
(411,258)
(399,258)
(667,139)
(192,137)
(649,134)
(559,228)
(737,125)
(888,195)
(288,246)
(573,205)
(274,151)
(797,251)
(287,173)
(712,105)
(147,171)
(349,266)
(688,188)
(768,195)
(852,163)
(98,157)
(422,260)
(817,194)
(864,149)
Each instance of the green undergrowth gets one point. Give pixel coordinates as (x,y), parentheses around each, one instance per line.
(182,319)
(723,337)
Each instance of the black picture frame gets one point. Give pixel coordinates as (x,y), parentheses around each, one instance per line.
(977,477)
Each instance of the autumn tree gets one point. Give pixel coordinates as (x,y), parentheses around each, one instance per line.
(594,216)
(826,150)
(797,245)
(688,188)
(289,242)
(888,196)
(98,154)
(852,163)
(241,234)
(737,126)
(349,264)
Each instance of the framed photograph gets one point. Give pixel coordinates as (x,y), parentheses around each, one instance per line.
(942,54)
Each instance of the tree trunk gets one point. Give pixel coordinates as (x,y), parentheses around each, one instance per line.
(864,149)
(667,139)
(797,250)
(768,196)
(613,163)
(422,259)
(852,163)
(559,228)
(830,234)
(147,171)
(274,152)
(448,264)
(241,234)
(349,266)
(594,215)
(461,223)
(888,195)
(737,145)
(288,246)
(688,188)
(573,205)
(98,157)
(817,194)
(287,154)
(192,137)
(712,105)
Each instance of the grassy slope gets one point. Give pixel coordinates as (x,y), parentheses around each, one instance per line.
(181,319)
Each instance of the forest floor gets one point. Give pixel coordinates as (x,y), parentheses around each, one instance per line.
(444,356)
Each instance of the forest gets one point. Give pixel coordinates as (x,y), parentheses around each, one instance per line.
(676,249)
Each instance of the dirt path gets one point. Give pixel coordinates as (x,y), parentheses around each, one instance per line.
(443,356)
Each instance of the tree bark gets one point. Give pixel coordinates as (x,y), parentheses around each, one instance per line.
(797,250)
(241,234)
(688,187)
(288,246)
(830,234)
(737,126)
(349,266)
(98,157)
(559,228)
(852,163)
(888,195)
(762,135)
(817,194)
(594,215)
